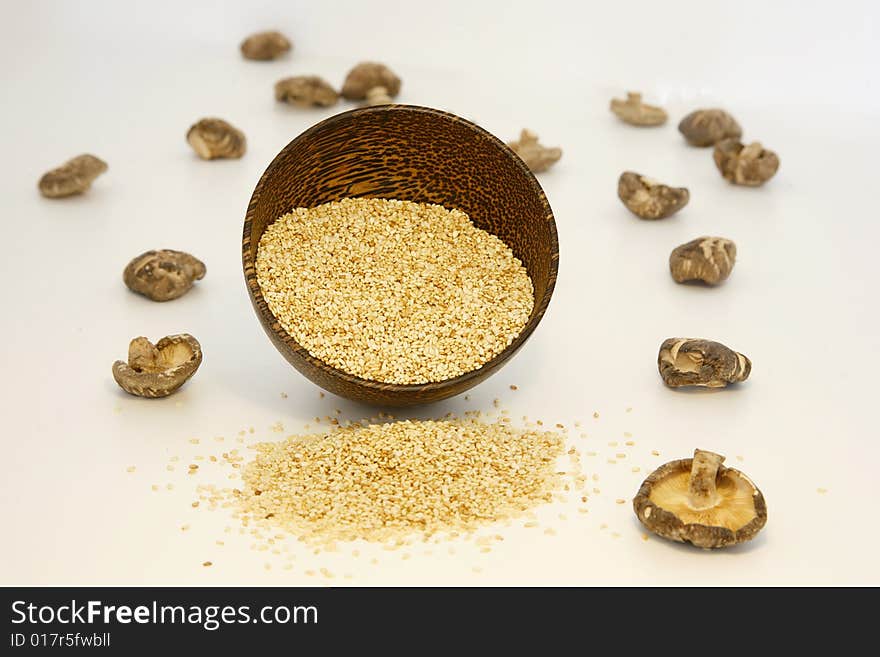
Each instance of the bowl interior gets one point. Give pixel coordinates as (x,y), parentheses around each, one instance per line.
(414,154)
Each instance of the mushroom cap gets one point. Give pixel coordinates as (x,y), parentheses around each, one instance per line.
(648,199)
(367,75)
(213,138)
(661,505)
(264,46)
(73,177)
(706,127)
(306,91)
(164,274)
(707,259)
(158,370)
(698,362)
(750,165)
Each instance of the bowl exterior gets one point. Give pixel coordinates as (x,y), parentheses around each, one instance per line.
(415,154)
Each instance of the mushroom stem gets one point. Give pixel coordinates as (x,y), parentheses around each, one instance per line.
(702,493)
(142,355)
(633,98)
(753,150)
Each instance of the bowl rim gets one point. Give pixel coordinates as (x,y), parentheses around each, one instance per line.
(270,321)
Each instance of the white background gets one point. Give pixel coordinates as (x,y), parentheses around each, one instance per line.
(125,81)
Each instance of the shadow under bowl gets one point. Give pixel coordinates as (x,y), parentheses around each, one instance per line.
(414,154)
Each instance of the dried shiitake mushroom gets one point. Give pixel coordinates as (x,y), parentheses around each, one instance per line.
(160,369)
(751,165)
(537,157)
(698,362)
(699,501)
(73,177)
(264,46)
(377,96)
(306,91)
(215,138)
(707,259)
(709,126)
(163,275)
(647,198)
(366,76)
(635,112)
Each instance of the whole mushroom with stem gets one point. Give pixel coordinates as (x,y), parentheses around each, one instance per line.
(369,75)
(537,157)
(633,111)
(701,502)
(158,370)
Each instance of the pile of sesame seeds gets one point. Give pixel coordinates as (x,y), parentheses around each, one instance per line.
(296,546)
(382,482)
(393,291)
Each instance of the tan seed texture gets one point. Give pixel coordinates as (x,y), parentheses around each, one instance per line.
(382,482)
(393,291)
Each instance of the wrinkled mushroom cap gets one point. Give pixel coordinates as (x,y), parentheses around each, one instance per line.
(366,76)
(649,199)
(306,91)
(735,513)
(751,165)
(706,127)
(213,138)
(706,259)
(163,275)
(264,46)
(73,177)
(698,362)
(158,370)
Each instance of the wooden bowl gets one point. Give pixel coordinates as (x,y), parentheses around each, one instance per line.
(413,154)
